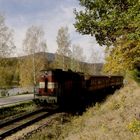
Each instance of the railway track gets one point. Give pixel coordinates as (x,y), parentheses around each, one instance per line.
(12,126)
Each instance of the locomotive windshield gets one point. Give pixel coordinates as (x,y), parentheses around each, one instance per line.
(47,84)
(41,84)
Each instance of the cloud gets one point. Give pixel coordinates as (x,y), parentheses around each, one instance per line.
(50,14)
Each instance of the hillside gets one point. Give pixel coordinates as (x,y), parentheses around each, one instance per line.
(12,68)
(118,118)
(50,57)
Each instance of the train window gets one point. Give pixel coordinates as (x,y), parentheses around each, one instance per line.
(46,85)
(51,85)
(41,84)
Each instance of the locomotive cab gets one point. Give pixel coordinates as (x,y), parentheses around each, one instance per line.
(47,88)
(58,86)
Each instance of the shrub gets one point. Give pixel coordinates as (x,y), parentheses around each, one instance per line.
(134,126)
(114,105)
(135,74)
(4,93)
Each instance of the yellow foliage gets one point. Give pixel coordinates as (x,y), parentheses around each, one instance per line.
(134,126)
(26,70)
(123,56)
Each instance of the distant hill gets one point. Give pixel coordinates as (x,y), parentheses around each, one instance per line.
(10,68)
(50,57)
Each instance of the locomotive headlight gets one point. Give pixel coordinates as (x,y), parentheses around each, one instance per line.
(51,85)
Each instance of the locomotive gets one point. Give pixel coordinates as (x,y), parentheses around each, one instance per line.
(57,86)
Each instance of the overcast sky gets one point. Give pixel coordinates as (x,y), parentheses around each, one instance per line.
(51,15)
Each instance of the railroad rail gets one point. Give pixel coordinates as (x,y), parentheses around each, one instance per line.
(19,123)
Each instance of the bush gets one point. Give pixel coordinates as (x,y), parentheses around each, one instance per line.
(135,74)
(4,93)
(134,126)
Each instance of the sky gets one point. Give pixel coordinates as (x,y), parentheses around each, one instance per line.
(50,15)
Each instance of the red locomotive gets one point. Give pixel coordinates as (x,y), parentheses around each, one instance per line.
(58,86)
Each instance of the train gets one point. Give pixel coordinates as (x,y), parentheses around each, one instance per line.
(56,86)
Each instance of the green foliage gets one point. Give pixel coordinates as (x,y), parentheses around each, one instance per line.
(135,74)
(8,73)
(109,20)
(113,23)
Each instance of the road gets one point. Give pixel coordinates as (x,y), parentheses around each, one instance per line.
(14,99)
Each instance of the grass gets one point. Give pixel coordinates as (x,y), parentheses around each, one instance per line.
(116,119)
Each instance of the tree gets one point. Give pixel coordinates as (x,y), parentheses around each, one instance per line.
(26,69)
(109,20)
(63,51)
(6,49)
(123,58)
(112,22)
(33,43)
(7,74)
(77,58)
(94,58)
(6,39)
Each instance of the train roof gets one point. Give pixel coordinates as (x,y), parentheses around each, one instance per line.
(60,70)
(103,76)
(57,71)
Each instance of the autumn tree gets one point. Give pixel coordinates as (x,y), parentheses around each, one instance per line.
(113,23)
(77,58)
(6,39)
(63,52)
(94,59)
(34,46)
(6,49)
(125,55)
